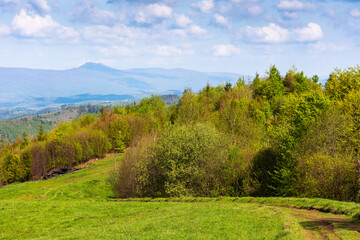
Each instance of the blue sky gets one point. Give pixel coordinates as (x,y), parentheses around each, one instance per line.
(241,36)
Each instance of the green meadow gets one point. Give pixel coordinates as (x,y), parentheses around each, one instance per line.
(80,205)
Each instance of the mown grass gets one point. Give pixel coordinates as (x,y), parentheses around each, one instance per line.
(80,205)
(81,219)
(351,209)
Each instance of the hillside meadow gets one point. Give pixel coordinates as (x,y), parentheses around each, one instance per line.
(268,159)
(80,205)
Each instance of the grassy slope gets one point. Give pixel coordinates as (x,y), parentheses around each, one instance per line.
(110,220)
(75,206)
(350,209)
(88,183)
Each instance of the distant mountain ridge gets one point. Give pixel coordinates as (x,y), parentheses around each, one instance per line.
(21,87)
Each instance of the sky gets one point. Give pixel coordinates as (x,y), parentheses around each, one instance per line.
(240,36)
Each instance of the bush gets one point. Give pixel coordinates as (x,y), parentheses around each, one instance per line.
(184,161)
(13,169)
(127,182)
(39,159)
(325,176)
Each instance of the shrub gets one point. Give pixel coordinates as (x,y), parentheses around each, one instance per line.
(125,182)
(325,176)
(184,161)
(39,159)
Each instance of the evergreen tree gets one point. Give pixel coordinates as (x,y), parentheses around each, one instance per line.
(41,133)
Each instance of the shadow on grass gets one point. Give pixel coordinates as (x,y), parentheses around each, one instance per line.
(329,225)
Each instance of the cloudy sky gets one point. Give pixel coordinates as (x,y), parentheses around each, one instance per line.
(241,36)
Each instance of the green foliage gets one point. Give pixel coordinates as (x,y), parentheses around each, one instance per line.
(119,144)
(227,87)
(41,133)
(325,176)
(240,82)
(192,159)
(154,106)
(189,109)
(85,120)
(184,161)
(276,136)
(341,82)
(13,169)
(25,139)
(11,129)
(315,79)
(264,165)
(120,133)
(271,86)
(296,115)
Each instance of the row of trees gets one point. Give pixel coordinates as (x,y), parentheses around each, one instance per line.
(275,136)
(71,143)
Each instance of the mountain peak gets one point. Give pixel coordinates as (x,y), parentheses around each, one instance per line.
(95,66)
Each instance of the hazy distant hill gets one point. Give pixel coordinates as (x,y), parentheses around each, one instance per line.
(22,87)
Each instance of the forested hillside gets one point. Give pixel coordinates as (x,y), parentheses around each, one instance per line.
(279,135)
(10,129)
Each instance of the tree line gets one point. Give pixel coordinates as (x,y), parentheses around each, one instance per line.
(278,135)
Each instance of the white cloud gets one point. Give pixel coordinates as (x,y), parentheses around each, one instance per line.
(41,6)
(241,1)
(312,32)
(197,30)
(205,5)
(87,12)
(326,47)
(224,8)
(4,30)
(120,33)
(221,20)
(35,26)
(273,33)
(167,51)
(119,51)
(294,5)
(225,50)
(10,1)
(355,12)
(182,20)
(178,33)
(160,11)
(5,2)
(330,13)
(153,12)
(290,15)
(9,5)
(255,10)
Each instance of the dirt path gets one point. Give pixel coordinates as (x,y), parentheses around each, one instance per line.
(318,225)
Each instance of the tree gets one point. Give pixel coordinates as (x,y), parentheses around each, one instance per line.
(25,139)
(119,144)
(315,78)
(341,82)
(227,87)
(289,81)
(240,82)
(271,87)
(41,135)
